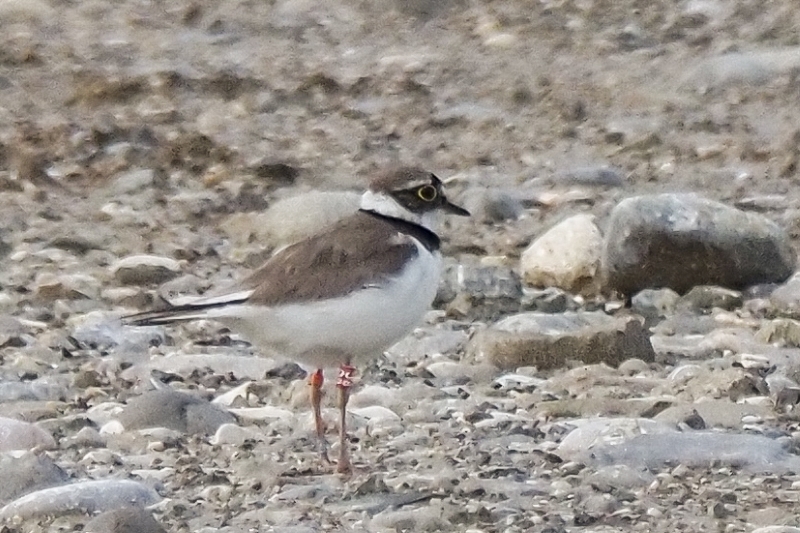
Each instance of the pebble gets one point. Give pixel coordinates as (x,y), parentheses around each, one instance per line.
(133,181)
(145,270)
(174,410)
(492,204)
(233,435)
(602,176)
(785,299)
(705,298)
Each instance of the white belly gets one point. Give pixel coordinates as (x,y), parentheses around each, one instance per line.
(330,332)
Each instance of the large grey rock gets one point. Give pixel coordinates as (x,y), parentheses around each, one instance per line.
(682,240)
(81,497)
(174,410)
(549,341)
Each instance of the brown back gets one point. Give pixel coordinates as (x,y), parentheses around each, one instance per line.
(360,250)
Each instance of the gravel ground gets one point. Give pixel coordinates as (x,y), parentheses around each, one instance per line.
(154,149)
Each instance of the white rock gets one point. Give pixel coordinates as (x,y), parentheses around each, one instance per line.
(234,435)
(567,256)
(227,399)
(133,180)
(375,412)
(114,427)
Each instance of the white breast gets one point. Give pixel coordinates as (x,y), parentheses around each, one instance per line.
(329,332)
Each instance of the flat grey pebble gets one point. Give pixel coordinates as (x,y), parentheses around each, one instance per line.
(174,410)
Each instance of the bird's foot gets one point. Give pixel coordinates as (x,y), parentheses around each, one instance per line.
(343,466)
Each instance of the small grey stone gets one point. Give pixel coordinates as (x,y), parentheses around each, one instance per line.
(145,270)
(492,204)
(707,297)
(654,303)
(549,300)
(599,176)
(781,331)
(133,180)
(745,68)
(174,410)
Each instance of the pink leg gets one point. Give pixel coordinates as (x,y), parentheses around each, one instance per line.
(344,383)
(315,381)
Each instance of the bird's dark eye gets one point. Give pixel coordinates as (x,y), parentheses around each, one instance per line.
(427,193)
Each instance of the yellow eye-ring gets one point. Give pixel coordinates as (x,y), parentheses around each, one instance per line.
(427,193)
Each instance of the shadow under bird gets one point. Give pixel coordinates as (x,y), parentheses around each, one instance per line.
(343,295)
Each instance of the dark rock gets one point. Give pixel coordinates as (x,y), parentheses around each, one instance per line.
(682,240)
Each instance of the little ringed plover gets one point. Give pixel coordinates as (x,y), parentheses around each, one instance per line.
(343,295)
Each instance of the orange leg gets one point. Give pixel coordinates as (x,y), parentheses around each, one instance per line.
(344,383)
(315,381)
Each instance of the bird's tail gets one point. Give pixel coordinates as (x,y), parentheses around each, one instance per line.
(197,309)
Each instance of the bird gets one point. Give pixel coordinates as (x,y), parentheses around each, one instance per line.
(343,295)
